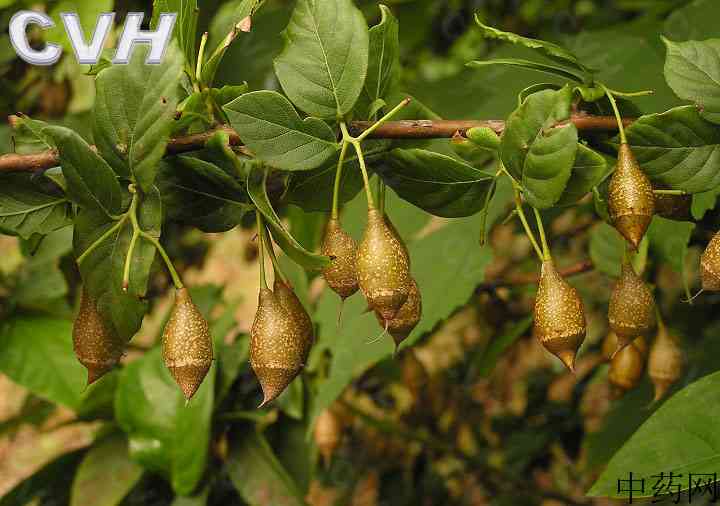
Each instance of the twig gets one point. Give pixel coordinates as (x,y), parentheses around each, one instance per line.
(533,278)
(412,129)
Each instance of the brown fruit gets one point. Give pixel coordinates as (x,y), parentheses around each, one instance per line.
(396,234)
(666,363)
(341,274)
(383,267)
(631,201)
(673,207)
(327,434)
(97,345)
(626,369)
(632,307)
(407,318)
(559,316)
(186,344)
(710,265)
(276,348)
(610,346)
(299,318)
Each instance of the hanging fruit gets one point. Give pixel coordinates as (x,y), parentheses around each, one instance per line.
(186,344)
(666,363)
(631,201)
(632,307)
(559,316)
(327,434)
(96,343)
(626,369)
(407,318)
(299,319)
(710,265)
(341,274)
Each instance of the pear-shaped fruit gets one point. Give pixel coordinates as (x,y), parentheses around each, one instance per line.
(710,265)
(610,345)
(631,201)
(186,344)
(673,207)
(277,353)
(341,274)
(299,318)
(396,234)
(666,363)
(383,267)
(626,369)
(559,316)
(327,434)
(632,307)
(97,345)
(407,318)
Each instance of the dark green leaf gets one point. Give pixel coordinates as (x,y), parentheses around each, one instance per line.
(36,352)
(692,70)
(105,475)
(292,248)
(677,149)
(185,31)
(511,333)
(325,60)
(27,206)
(606,249)
(677,438)
(258,475)
(437,183)
(553,70)
(134,113)
(273,130)
(589,170)
(91,182)
(704,202)
(536,151)
(669,240)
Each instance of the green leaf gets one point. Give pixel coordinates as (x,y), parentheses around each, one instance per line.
(269,125)
(512,332)
(105,475)
(677,149)
(200,193)
(30,205)
(383,63)
(325,60)
(37,353)
(589,170)
(91,182)
(678,438)
(134,113)
(87,11)
(606,249)
(536,151)
(704,202)
(185,31)
(292,248)
(552,51)
(669,240)
(445,285)
(122,310)
(553,70)
(257,474)
(692,70)
(437,183)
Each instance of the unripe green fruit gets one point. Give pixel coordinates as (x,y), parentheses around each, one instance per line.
(666,363)
(407,318)
(631,201)
(632,307)
(626,369)
(186,344)
(341,274)
(559,316)
(383,267)
(277,352)
(710,265)
(97,345)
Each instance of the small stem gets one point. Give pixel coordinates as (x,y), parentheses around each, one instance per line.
(483,218)
(271,252)
(168,263)
(381,194)
(102,239)
(382,120)
(543,239)
(338,177)
(528,231)
(201,56)
(361,159)
(132,213)
(621,128)
(643,93)
(261,248)
(669,192)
